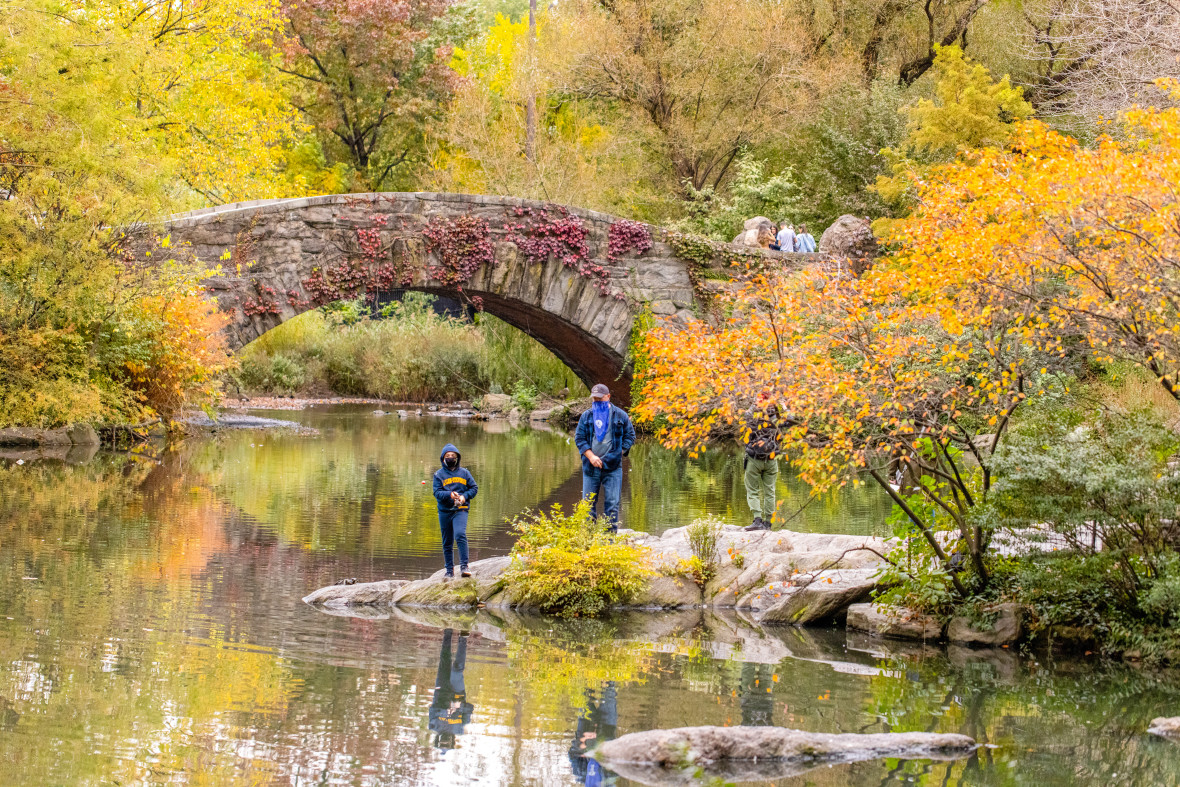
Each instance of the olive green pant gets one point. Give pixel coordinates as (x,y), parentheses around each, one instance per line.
(761,476)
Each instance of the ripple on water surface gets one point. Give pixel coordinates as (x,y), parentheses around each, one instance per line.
(151,632)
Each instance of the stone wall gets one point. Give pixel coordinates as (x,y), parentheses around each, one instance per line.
(272,251)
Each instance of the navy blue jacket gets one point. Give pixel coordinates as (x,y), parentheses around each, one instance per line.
(457,480)
(622,438)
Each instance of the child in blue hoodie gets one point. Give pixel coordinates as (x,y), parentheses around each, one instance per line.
(454,489)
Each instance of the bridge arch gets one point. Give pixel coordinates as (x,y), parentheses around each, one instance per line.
(548,270)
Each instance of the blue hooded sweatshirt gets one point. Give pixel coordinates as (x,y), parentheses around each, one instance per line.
(457,480)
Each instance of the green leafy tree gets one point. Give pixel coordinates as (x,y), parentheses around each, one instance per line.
(969,111)
(719,214)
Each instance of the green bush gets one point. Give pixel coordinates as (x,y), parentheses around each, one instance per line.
(568,565)
(279,374)
(524,396)
(408,353)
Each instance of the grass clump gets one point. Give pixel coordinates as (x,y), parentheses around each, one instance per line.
(566,564)
(404,352)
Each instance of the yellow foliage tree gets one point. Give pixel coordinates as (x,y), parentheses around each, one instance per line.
(114,113)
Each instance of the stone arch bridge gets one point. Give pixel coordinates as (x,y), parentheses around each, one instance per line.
(572,279)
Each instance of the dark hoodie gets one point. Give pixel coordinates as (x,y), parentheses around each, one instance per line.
(457,480)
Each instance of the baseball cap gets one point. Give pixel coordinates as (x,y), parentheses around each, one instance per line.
(599,390)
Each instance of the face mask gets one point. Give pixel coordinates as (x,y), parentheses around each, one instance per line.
(451,462)
(601,419)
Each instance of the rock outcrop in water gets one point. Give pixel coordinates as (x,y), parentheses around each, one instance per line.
(741,754)
(775,577)
(1166,727)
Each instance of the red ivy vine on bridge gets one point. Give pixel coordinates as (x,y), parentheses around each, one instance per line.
(543,236)
(461,245)
(265,303)
(625,235)
(348,279)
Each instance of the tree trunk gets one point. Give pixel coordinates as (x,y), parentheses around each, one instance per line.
(530,110)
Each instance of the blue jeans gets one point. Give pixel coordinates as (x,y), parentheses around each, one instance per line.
(454,532)
(607,486)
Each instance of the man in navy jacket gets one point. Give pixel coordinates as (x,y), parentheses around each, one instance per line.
(454,489)
(604,436)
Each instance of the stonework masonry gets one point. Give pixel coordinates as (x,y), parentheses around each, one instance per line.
(271,250)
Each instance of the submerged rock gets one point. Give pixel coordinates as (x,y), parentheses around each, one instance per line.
(890,621)
(1004,630)
(1166,727)
(666,757)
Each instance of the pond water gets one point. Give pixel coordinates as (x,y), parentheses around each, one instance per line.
(151,632)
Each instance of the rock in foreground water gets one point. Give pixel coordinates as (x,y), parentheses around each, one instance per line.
(665,757)
(1166,726)
(1004,629)
(896,622)
(356,595)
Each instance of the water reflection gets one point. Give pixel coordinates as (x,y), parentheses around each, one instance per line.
(598,722)
(449,709)
(151,633)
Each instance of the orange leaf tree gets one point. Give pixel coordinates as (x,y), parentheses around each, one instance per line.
(873,377)
(178,350)
(1017,264)
(1081,244)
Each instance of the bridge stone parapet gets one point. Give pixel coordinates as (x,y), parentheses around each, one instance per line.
(548,270)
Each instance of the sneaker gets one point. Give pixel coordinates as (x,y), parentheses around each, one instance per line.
(449,575)
(463,572)
(759,524)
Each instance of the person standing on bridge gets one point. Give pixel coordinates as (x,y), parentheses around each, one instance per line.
(604,436)
(786,237)
(804,242)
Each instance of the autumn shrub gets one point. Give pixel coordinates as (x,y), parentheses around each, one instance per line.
(45,379)
(703,539)
(175,351)
(567,564)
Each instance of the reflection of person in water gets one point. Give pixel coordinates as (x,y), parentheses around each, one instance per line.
(450,710)
(757,697)
(598,723)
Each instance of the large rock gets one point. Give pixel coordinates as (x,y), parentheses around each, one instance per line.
(1166,727)
(1004,630)
(897,622)
(437,591)
(82,434)
(850,237)
(821,597)
(664,592)
(31,438)
(495,403)
(756,571)
(665,757)
(758,232)
(361,594)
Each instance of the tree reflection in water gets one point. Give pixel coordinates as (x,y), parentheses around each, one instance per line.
(150,632)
